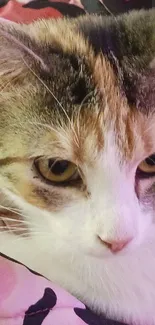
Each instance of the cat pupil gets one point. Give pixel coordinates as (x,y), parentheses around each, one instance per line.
(59,167)
(150,160)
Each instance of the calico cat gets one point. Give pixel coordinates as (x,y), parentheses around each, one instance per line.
(77,157)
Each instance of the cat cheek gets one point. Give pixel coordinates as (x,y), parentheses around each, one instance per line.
(146,195)
(145,186)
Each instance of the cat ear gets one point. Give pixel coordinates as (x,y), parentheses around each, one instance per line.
(139,86)
(138,58)
(16,52)
(142,89)
(12,67)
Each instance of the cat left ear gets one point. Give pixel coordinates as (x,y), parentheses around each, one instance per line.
(144,89)
(139,87)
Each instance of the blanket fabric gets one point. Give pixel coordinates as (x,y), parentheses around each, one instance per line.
(26,298)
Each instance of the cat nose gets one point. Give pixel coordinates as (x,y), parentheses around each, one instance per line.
(116,246)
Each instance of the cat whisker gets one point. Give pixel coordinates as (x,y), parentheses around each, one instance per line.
(107,9)
(55,130)
(11,210)
(18,237)
(24,235)
(80,108)
(149,128)
(12,228)
(15,221)
(50,128)
(152,160)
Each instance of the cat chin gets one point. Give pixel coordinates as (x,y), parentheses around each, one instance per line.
(121,286)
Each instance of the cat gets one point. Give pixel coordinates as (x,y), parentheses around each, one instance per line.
(77,157)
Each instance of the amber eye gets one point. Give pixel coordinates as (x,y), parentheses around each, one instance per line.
(56,171)
(147,166)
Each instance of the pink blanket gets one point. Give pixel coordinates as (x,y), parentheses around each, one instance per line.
(27,298)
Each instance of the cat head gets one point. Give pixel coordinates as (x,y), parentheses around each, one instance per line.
(77,149)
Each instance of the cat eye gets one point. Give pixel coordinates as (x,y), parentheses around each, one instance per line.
(57,171)
(147,167)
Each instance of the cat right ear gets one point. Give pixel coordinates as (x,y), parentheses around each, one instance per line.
(11,63)
(16,53)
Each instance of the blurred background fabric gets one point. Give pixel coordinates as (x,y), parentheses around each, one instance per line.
(27,10)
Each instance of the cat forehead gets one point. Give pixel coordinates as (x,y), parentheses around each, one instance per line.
(101,119)
(86,105)
(89,103)
(68,84)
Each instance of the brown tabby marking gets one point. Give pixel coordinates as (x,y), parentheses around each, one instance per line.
(40,115)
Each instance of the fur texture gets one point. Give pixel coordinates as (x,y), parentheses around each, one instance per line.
(82,90)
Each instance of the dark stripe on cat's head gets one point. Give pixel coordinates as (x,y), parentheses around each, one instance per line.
(129,44)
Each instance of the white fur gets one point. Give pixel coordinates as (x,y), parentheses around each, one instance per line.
(65,247)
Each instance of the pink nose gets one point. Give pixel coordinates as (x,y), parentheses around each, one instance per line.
(116,246)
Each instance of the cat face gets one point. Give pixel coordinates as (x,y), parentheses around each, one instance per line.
(77,149)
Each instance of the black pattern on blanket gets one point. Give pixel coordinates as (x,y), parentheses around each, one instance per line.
(29,299)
